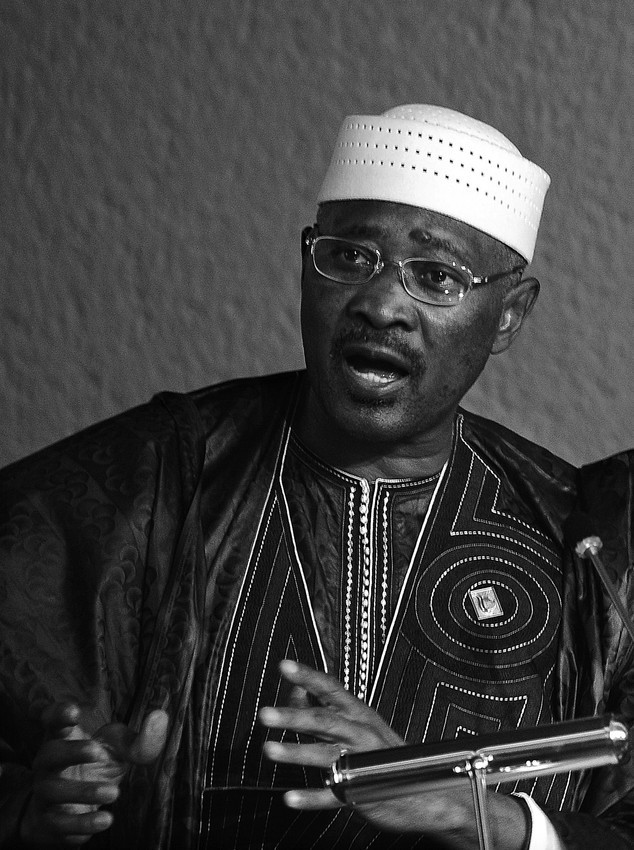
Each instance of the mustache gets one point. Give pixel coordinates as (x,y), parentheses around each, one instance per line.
(388,339)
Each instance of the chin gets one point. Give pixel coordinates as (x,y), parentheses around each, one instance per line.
(372,421)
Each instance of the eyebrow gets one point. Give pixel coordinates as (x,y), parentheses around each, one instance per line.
(417,234)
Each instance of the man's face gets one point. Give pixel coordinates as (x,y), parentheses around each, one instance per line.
(383,367)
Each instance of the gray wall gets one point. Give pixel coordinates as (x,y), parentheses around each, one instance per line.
(159,158)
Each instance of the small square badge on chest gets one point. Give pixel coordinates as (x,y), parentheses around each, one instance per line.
(485,602)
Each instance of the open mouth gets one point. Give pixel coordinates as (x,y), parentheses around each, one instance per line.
(376,369)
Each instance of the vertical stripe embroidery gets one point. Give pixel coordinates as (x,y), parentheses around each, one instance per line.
(347,638)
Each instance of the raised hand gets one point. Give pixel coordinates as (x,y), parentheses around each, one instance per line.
(339,721)
(75,774)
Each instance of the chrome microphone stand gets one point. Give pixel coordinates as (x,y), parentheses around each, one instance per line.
(476,771)
(357,778)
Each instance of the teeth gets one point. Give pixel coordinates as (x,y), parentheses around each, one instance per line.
(380,378)
(376,377)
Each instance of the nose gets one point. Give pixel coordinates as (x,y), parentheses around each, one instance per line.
(383,302)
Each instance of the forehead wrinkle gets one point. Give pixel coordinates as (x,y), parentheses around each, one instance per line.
(429,240)
(426,240)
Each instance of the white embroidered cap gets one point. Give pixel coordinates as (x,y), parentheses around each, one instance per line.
(438,159)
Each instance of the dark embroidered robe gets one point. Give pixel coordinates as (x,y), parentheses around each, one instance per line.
(124,551)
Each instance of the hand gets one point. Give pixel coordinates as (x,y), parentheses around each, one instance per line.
(76,774)
(340,722)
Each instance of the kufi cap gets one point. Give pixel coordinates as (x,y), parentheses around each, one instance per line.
(438,159)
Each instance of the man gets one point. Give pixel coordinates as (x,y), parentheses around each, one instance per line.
(207,599)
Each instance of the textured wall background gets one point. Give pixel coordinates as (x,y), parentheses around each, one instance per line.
(159,158)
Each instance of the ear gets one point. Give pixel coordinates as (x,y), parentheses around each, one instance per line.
(306,233)
(518,302)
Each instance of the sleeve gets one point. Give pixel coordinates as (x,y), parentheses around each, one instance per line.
(542,833)
(90,531)
(580,831)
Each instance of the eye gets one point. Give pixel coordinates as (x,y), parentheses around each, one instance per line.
(346,262)
(439,278)
(350,256)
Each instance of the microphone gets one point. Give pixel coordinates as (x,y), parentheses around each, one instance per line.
(480,761)
(499,757)
(579,533)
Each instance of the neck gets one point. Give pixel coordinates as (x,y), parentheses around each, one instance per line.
(420,456)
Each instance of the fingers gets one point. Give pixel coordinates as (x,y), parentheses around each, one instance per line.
(311,799)
(335,717)
(326,689)
(339,705)
(56,824)
(65,805)
(338,715)
(76,774)
(60,718)
(77,792)
(310,755)
(61,753)
(299,698)
(319,722)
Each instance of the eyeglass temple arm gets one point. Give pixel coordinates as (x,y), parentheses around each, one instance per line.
(491,278)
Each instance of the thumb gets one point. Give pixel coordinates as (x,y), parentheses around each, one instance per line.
(149,743)
(136,748)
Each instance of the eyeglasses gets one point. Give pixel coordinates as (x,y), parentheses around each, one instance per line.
(429,281)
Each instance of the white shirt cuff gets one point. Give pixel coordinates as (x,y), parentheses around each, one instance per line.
(543,835)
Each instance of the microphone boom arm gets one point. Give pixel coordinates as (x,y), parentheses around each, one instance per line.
(589,547)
